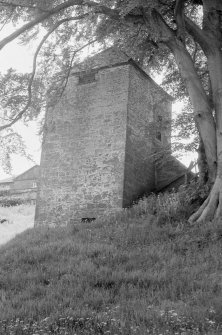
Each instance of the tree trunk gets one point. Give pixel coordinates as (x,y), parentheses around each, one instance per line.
(212,207)
(210,129)
(202,164)
(202,109)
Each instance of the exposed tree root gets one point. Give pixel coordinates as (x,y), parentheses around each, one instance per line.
(212,206)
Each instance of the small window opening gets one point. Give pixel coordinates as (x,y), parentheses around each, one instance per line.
(87,78)
(159,135)
(34,184)
(159,127)
(88,219)
(160,118)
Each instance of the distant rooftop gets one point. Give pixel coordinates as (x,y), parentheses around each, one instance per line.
(11,179)
(7,180)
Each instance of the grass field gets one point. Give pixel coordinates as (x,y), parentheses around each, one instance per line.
(130,274)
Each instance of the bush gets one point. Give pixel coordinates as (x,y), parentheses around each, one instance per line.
(168,207)
(10,202)
(179,206)
(4,193)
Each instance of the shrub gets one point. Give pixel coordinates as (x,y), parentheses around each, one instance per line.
(4,193)
(10,202)
(178,206)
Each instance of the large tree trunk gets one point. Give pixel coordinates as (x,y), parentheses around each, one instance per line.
(202,164)
(202,108)
(211,43)
(212,207)
(210,129)
(201,104)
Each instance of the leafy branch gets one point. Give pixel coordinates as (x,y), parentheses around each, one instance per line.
(71,65)
(29,89)
(39,19)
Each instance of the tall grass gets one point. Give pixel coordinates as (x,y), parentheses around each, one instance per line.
(126,274)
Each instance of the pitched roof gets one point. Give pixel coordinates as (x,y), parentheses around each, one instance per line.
(34,169)
(106,58)
(112,57)
(11,179)
(7,180)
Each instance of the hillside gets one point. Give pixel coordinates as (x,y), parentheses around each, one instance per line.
(129,274)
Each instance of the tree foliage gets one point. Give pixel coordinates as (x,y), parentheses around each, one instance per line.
(11,143)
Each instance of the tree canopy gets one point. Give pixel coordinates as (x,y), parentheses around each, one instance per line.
(185,36)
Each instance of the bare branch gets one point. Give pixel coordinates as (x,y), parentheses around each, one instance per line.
(21,113)
(10,4)
(179,16)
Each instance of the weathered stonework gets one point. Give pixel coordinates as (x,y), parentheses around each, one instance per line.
(144,103)
(97,152)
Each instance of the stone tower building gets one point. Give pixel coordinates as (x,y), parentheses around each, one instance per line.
(97,152)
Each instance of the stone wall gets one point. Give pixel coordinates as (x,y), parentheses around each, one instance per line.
(99,141)
(171,174)
(83,152)
(147,102)
(139,168)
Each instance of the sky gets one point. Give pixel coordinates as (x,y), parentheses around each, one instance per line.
(20,57)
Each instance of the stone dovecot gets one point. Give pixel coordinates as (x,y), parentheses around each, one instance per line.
(99,139)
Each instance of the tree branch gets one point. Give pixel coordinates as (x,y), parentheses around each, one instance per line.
(179,17)
(71,64)
(39,19)
(114,13)
(166,33)
(198,35)
(69,3)
(29,89)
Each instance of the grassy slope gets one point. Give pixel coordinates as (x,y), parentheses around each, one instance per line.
(125,276)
